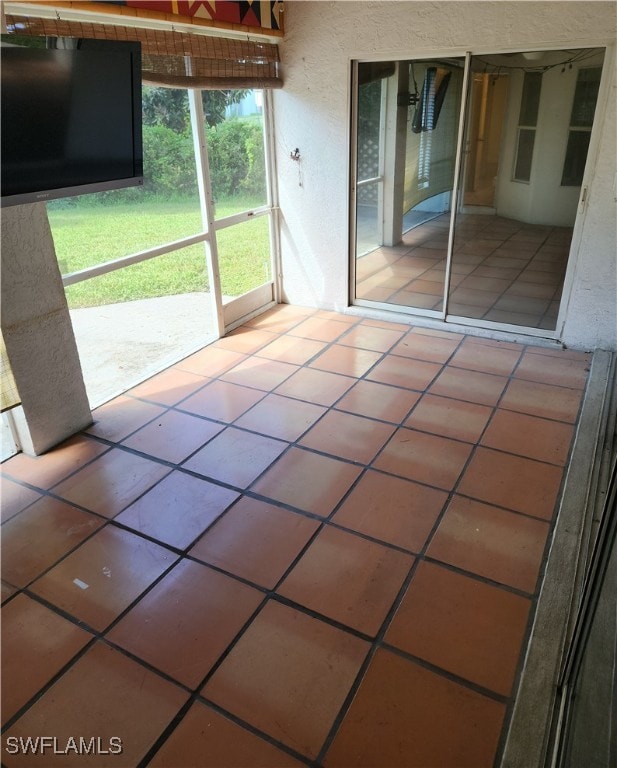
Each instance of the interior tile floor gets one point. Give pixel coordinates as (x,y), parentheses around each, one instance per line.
(317,541)
(502,270)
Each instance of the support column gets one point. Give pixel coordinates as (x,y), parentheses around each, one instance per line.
(394,161)
(38,334)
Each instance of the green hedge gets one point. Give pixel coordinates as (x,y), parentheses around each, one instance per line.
(237,165)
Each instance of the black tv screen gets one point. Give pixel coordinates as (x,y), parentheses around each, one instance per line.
(71,117)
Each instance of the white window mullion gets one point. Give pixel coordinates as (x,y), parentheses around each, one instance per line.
(273,196)
(207,206)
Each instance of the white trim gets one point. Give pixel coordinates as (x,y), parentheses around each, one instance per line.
(207,205)
(239,218)
(135,258)
(273,196)
(458,164)
(593,157)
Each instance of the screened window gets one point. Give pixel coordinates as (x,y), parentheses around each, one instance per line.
(527,121)
(581,120)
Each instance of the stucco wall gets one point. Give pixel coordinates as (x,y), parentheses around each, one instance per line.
(312,113)
(38,333)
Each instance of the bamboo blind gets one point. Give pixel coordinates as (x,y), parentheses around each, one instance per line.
(175,59)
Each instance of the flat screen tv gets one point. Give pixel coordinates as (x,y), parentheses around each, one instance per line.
(71,117)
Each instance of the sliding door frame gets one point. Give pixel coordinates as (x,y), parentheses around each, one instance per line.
(444,316)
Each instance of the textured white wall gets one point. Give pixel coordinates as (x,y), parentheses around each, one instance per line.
(312,113)
(38,333)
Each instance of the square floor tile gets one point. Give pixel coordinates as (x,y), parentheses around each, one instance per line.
(499,545)
(391,509)
(307,481)
(349,436)
(449,418)
(347,361)
(281,417)
(542,400)
(486,359)
(36,644)
(206,738)
(173,436)
(474,387)
(101,578)
(260,373)
(111,482)
(378,401)
(205,610)
(389,326)
(319,329)
(8,590)
(488,623)
(210,361)
(367,337)
(529,436)
(435,461)
(104,694)
(347,578)
(178,509)
(291,349)
(522,485)
(47,470)
(236,457)
(431,349)
(318,387)
(14,498)
(404,372)
(256,541)
(222,401)
(38,537)
(338,316)
(549,369)
(404,716)
(119,417)
(281,318)
(245,339)
(169,386)
(288,675)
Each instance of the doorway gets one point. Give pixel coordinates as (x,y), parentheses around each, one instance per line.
(478,173)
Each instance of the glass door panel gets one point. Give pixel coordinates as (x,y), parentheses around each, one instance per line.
(513,230)
(401,245)
(518,167)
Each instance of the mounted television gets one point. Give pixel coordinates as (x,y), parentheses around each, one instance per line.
(71,117)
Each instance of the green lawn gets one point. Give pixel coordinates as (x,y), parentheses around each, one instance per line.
(86,235)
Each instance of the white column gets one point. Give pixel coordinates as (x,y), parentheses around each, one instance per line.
(38,334)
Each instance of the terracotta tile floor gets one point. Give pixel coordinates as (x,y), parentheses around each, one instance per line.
(315,542)
(502,270)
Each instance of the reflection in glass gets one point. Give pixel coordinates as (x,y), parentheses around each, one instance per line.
(514,228)
(407,137)
(527,127)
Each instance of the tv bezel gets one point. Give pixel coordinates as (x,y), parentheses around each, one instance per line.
(137,179)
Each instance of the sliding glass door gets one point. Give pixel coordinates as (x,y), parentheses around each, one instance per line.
(481,171)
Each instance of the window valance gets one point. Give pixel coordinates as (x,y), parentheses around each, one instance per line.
(175,59)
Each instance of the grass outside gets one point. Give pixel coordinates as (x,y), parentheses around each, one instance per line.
(86,235)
